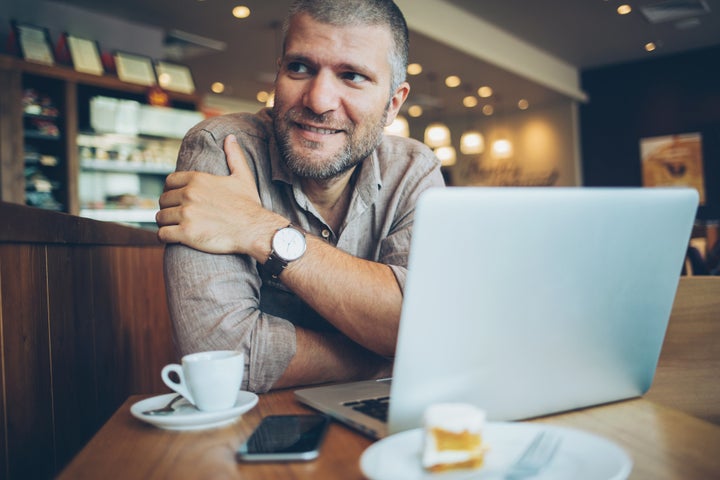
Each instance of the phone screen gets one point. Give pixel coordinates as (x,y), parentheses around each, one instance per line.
(285,437)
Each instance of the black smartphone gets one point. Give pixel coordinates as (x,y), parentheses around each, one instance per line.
(285,438)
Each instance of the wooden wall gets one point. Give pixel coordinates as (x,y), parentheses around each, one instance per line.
(83,325)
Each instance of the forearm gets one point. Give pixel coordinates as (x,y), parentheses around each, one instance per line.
(323,357)
(213,303)
(360,298)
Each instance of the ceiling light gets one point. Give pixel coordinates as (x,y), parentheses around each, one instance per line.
(415,111)
(262,96)
(650,46)
(398,127)
(502,148)
(470,101)
(488,110)
(485,92)
(218,87)
(523,104)
(241,11)
(452,81)
(437,135)
(414,69)
(472,142)
(624,9)
(447,155)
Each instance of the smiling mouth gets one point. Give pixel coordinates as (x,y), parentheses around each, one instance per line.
(321,131)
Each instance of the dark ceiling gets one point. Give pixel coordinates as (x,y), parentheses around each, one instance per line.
(583,33)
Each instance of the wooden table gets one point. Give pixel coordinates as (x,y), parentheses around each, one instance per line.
(672,433)
(663,442)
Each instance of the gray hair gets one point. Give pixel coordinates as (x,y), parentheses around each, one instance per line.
(361,12)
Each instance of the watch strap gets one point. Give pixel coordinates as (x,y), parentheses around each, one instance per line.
(275,265)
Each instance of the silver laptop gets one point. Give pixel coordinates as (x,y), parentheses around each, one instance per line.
(526,302)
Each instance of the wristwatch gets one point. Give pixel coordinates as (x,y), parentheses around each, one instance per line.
(288,244)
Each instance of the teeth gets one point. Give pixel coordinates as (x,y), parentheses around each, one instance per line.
(323,131)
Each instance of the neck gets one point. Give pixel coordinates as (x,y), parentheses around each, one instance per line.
(331,197)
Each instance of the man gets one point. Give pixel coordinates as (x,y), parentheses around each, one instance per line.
(298,257)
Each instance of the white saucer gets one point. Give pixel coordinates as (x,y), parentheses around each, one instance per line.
(187,417)
(580,455)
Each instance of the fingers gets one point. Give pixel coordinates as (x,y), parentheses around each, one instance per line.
(236,160)
(178,179)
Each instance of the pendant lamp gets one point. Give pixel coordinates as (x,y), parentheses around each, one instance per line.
(447,155)
(437,135)
(472,143)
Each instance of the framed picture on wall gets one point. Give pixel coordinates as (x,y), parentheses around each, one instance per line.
(174,77)
(85,54)
(34,43)
(673,161)
(133,68)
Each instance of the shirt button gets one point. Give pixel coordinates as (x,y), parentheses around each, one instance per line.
(325,233)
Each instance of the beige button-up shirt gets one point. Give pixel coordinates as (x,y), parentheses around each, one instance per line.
(228,301)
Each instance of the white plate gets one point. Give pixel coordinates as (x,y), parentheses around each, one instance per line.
(187,417)
(580,455)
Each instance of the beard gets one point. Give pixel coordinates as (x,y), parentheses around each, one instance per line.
(361,139)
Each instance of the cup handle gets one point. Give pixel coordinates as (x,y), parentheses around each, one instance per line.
(180,387)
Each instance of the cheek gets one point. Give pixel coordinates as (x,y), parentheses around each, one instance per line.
(367,111)
(287,93)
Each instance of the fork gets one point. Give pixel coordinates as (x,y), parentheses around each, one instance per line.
(536,456)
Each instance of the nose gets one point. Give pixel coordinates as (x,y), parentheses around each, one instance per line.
(322,94)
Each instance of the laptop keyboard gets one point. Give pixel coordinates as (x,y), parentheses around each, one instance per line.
(373,407)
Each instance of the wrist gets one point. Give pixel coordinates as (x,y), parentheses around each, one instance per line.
(265,231)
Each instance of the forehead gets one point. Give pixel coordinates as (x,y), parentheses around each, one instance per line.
(368,45)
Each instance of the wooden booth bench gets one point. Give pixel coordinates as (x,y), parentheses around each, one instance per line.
(83,325)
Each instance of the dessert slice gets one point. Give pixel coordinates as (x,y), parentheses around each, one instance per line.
(453,437)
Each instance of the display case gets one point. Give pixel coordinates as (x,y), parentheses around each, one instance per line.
(59,152)
(122,176)
(44,143)
(125,150)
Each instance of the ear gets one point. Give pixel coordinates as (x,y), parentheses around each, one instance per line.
(396,101)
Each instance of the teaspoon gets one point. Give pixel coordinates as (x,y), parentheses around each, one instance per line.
(164,410)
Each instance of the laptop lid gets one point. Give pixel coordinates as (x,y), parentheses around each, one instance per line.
(530,301)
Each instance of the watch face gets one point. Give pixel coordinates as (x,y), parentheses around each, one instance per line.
(289,244)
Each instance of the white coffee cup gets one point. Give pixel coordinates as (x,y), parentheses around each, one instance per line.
(208,380)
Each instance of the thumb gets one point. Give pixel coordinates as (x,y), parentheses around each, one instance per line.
(236,160)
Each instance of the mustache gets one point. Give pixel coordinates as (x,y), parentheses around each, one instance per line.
(324,120)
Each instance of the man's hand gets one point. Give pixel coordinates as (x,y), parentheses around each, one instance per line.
(215,214)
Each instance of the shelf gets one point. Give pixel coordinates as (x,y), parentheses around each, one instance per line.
(33,135)
(39,116)
(126,167)
(68,74)
(136,215)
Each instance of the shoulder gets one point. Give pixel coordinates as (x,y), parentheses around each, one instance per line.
(406,150)
(257,125)
(402,159)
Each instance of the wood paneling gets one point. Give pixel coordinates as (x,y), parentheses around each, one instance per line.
(72,326)
(83,325)
(26,361)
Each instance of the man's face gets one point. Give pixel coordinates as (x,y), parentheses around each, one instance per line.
(332,96)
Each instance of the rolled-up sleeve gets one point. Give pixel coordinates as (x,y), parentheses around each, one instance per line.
(214,299)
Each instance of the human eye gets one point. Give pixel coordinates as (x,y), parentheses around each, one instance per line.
(354,77)
(297,68)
